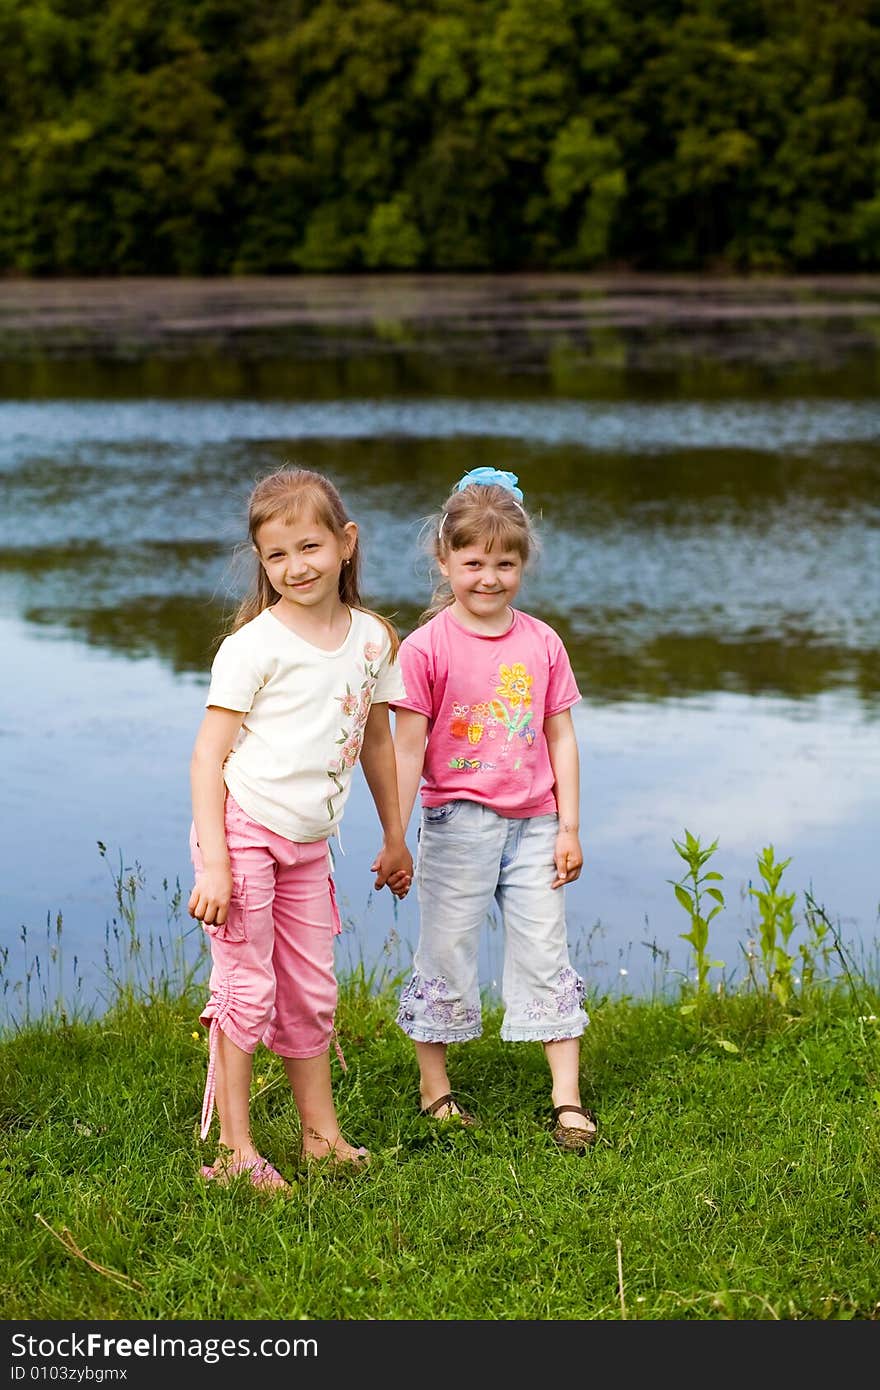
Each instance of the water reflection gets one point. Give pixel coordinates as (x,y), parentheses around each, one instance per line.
(706,490)
(668,570)
(631,428)
(327,338)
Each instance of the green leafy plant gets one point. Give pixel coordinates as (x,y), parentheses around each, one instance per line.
(690,890)
(820,947)
(776,925)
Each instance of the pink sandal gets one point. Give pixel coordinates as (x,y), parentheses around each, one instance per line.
(262,1175)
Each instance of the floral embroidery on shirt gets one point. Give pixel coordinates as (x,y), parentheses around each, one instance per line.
(355,706)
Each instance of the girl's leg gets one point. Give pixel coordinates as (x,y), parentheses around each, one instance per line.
(232,1099)
(563,1058)
(236,1147)
(433,1077)
(302,1025)
(309,1079)
(457,868)
(242,987)
(543,994)
(434,1084)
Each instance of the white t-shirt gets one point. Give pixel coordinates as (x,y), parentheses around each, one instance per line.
(290,768)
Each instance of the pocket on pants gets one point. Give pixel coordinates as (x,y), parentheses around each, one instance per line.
(234,930)
(441,815)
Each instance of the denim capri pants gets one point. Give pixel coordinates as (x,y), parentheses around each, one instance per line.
(471,860)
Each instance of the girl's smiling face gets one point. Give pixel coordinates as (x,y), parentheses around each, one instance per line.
(484,583)
(302,559)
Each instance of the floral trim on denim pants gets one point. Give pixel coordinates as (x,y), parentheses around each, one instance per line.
(424,1002)
(555,1019)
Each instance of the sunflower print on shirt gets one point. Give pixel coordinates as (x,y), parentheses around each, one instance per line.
(506,714)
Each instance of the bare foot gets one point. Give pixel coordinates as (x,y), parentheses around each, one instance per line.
(337,1151)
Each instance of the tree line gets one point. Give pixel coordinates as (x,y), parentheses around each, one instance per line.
(282,136)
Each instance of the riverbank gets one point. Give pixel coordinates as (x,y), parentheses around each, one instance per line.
(770,321)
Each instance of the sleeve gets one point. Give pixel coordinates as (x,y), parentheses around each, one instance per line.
(235,678)
(562,689)
(414,665)
(390,686)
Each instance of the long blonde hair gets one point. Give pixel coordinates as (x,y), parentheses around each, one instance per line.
(287,495)
(480,514)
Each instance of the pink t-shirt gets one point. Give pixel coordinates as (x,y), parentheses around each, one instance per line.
(486,699)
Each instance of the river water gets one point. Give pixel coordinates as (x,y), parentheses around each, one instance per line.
(702,460)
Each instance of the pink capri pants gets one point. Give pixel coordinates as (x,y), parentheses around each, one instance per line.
(272,976)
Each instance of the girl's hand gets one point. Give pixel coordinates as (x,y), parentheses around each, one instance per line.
(568,858)
(393,866)
(400,884)
(210,897)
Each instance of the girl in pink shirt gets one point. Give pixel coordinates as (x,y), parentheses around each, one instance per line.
(486,729)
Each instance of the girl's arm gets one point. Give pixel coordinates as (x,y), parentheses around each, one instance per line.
(410,738)
(564,760)
(209,899)
(393,864)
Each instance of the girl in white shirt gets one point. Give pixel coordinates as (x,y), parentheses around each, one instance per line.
(299,694)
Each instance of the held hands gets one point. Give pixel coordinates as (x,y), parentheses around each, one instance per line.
(568,858)
(393,865)
(210,898)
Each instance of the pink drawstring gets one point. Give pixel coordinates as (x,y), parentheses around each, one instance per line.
(208,1102)
(342,1061)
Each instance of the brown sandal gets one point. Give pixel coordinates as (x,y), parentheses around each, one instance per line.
(458,1114)
(568,1136)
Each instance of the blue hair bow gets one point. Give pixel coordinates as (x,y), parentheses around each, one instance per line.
(490,477)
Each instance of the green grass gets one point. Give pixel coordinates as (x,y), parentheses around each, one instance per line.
(735,1176)
(726,1184)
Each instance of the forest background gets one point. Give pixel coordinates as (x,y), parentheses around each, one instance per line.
(217,137)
